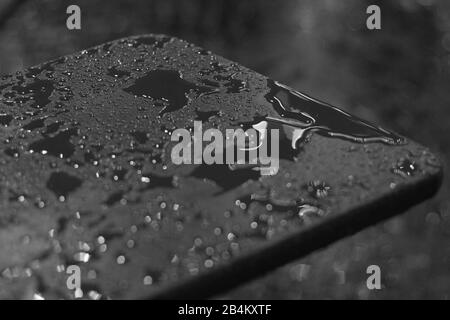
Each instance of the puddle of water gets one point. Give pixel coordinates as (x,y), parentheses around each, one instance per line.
(305,114)
(224,175)
(38,91)
(57,146)
(5,119)
(167,85)
(34,124)
(117,73)
(62,184)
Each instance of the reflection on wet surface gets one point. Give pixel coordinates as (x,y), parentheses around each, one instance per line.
(299,110)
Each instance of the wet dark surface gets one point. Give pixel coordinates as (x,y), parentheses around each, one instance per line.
(397,77)
(91,162)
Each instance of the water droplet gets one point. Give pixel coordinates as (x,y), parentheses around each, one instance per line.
(82,257)
(148,280)
(318,189)
(78,294)
(94,295)
(38,296)
(121,259)
(405,168)
(209,263)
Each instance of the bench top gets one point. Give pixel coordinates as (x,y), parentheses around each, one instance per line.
(86,176)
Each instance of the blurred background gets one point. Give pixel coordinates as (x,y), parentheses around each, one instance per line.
(398,77)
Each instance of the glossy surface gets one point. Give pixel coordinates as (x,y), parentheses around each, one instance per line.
(93,184)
